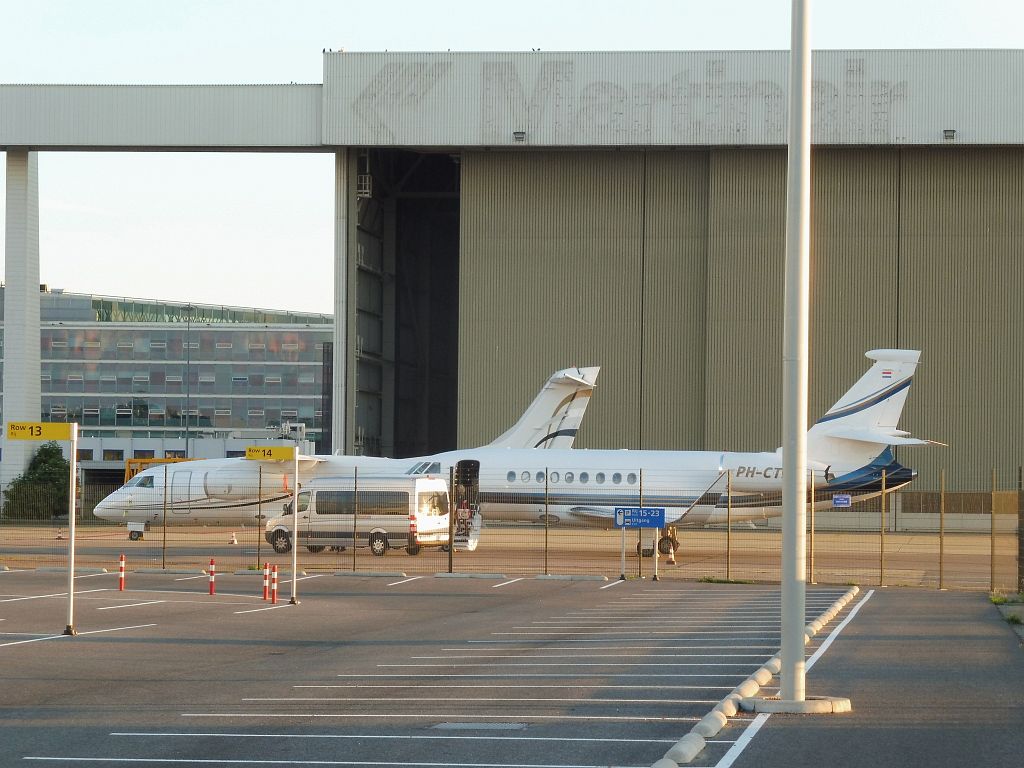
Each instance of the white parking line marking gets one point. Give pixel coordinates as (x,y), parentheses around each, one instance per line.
(506,583)
(574,664)
(612,656)
(268,608)
(835,632)
(587,700)
(55,594)
(403,581)
(93,575)
(613,584)
(653,632)
(419,684)
(211,761)
(189,578)
(90,632)
(417,737)
(442,716)
(130,605)
(542,674)
(772,648)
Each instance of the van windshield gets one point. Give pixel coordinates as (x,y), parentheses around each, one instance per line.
(433,503)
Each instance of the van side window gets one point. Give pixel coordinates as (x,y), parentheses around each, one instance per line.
(370,503)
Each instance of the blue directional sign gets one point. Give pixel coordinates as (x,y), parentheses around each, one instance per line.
(639,517)
(842,500)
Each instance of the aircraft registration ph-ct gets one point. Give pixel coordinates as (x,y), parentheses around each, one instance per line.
(849,451)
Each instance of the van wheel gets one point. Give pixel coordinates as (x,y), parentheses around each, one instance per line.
(378,544)
(314,548)
(134,535)
(280,542)
(412,550)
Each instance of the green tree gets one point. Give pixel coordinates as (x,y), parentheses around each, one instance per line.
(41,492)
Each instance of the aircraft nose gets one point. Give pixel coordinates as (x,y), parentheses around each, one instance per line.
(113,506)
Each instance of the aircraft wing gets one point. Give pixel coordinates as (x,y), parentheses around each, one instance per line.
(879,435)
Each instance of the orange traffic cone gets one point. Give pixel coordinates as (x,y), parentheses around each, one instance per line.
(672,554)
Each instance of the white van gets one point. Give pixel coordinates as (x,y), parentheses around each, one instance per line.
(382,513)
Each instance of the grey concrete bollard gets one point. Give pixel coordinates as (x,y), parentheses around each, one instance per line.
(684,750)
(710,724)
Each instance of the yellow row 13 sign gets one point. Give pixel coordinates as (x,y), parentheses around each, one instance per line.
(31,430)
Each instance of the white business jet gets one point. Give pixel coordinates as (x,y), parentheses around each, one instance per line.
(223,491)
(848,450)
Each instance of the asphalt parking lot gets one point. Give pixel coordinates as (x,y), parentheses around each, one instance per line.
(375,671)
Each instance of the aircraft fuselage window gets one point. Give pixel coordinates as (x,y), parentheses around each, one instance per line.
(525,477)
(568,477)
(511,477)
(540,477)
(631,478)
(599,477)
(617,478)
(553,477)
(584,477)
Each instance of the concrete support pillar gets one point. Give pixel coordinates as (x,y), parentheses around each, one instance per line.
(340,410)
(21,309)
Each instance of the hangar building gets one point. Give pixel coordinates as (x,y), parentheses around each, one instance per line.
(501,215)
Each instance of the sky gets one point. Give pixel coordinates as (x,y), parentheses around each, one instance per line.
(257,229)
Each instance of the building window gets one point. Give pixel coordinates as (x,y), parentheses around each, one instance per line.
(141,379)
(289,414)
(174,454)
(144,454)
(239,379)
(93,345)
(290,345)
(222,412)
(207,379)
(113,454)
(224,345)
(121,344)
(256,345)
(90,411)
(123,412)
(75,377)
(158,345)
(84,454)
(174,379)
(255,411)
(58,344)
(273,379)
(234,454)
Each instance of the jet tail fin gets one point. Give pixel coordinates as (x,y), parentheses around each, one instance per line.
(864,419)
(553,418)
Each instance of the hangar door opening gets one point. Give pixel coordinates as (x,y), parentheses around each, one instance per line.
(406,343)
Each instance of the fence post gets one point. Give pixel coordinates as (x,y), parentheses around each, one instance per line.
(451,523)
(260,527)
(355,515)
(1020,530)
(163,548)
(810,539)
(728,525)
(942,524)
(992,536)
(547,518)
(881,528)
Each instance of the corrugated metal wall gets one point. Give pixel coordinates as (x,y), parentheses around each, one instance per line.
(911,247)
(962,268)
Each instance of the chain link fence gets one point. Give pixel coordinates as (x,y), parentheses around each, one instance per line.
(925,535)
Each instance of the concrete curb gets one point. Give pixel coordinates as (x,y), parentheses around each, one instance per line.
(247,572)
(688,747)
(49,569)
(470,576)
(570,577)
(371,574)
(183,571)
(4,568)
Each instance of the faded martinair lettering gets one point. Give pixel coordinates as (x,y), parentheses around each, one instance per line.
(554,105)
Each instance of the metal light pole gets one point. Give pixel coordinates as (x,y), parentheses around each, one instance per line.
(794,359)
